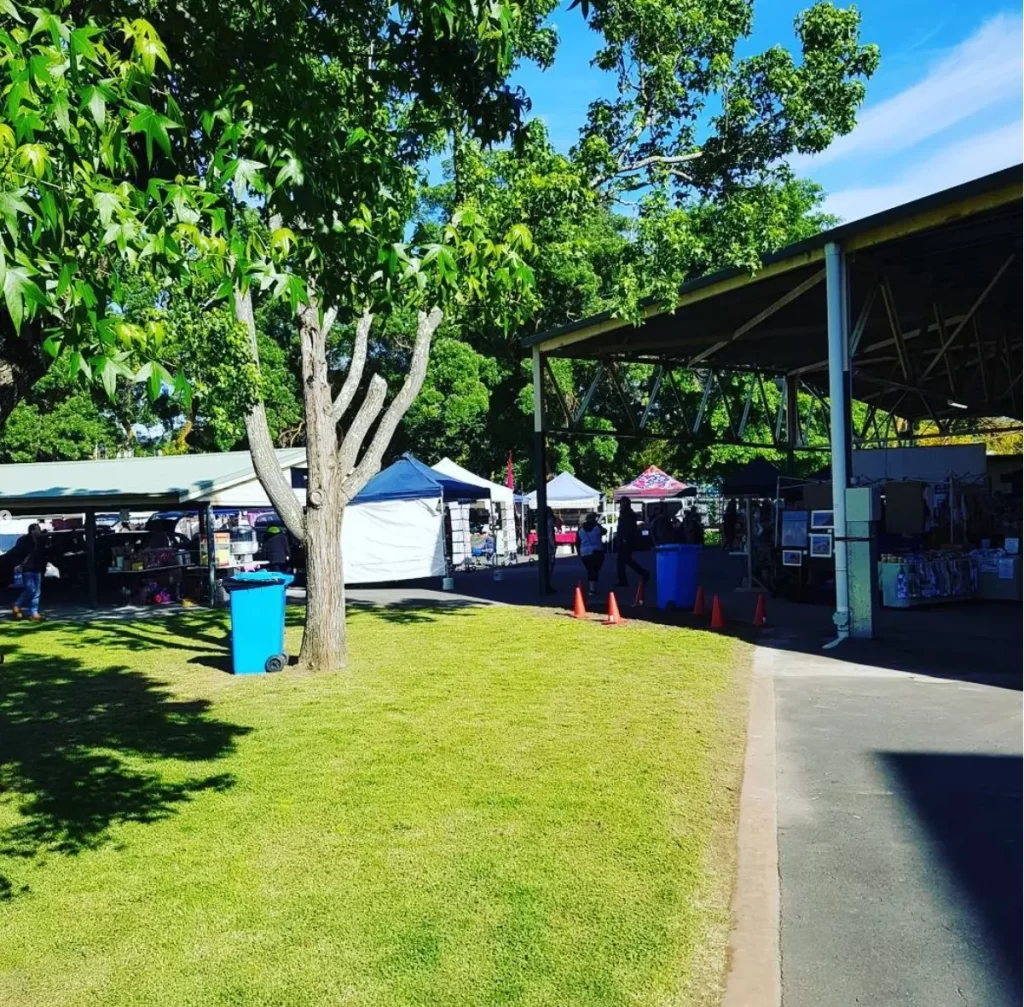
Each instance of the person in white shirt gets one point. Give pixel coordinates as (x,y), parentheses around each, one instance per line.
(590,539)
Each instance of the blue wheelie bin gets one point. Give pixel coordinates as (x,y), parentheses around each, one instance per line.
(257,621)
(678,568)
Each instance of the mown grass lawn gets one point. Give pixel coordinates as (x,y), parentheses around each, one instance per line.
(493,806)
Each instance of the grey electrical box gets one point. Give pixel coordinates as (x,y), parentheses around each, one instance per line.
(863,503)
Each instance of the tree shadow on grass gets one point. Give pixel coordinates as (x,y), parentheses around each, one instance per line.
(413,611)
(188,632)
(177,632)
(80,752)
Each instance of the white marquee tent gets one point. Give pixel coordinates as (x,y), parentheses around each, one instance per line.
(566,492)
(501,496)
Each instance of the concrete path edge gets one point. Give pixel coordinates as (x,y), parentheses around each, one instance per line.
(755,972)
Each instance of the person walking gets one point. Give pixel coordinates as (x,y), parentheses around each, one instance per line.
(625,539)
(729,526)
(275,550)
(590,541)
(32,552)
(551,526)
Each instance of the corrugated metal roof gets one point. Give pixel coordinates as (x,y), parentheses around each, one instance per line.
(160,481)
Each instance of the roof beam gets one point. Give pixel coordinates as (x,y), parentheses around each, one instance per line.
(880,344)
(862,320)
(585,404)
(897,335)
(558,392)
(659,373)
(970,314)
(777,305)
(945,353)
(613,374)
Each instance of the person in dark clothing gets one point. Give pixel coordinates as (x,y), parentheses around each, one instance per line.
(625,538)
(32,556)
(662,526)
(275,550)
(729,526)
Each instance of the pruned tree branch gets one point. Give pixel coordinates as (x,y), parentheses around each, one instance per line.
(355,367)
(370,463)
(644,162)
(261,446)
(368,412)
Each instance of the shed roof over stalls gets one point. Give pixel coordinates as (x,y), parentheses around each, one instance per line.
(934,297)
(159,482)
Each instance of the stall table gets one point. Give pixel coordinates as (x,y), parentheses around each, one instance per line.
(561,538)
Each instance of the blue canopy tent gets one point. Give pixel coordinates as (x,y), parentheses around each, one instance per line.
(410,479)
(394,528)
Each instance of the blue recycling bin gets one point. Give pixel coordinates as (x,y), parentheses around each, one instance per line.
(257,621)
(678,568)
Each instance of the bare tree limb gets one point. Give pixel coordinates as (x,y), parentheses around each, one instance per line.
(644,162)
(370,463)
(261,446)
(368,412)
(355,367)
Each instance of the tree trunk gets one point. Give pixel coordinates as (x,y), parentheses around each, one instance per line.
(324,640)
(22,364)
(336,472)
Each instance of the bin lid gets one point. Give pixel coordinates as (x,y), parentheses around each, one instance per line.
(257,578)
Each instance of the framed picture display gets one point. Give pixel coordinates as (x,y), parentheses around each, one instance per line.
(821,546)
(822,520)
(794,529)
(792,557)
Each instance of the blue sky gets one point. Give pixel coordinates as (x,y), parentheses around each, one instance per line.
(944,106)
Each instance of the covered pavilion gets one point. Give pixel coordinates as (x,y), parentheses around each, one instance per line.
(915,311)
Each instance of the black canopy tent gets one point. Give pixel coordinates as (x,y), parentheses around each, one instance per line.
(758,478)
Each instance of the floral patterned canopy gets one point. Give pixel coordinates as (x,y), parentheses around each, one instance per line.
(652,484)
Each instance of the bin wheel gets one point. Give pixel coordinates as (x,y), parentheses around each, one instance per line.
(276,662)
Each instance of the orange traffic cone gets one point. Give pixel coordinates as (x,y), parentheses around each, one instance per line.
(614,619)
(698,604)
(638,601)
(717,619)
(761,612)
(579,608)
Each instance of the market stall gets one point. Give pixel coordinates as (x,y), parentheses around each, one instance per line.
(945,533)
(653,485)
(499,502)
(751,494)
(567,493)
(394,529)
(570,499)
(139,566)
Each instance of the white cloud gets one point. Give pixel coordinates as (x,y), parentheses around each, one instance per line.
(968,158)
(982,71)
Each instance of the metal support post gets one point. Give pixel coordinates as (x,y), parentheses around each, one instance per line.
(540,471)
(792,424)
(90,557)
(206,519)
(835,266)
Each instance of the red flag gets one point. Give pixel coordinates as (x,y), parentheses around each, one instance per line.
(510,478)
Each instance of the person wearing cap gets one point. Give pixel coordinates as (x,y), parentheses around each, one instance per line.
(275,550)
